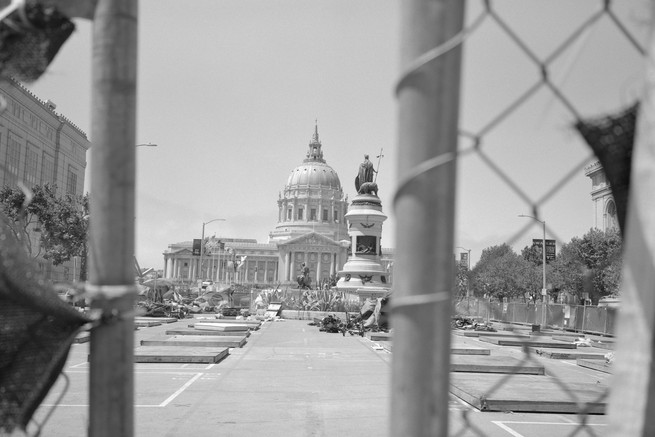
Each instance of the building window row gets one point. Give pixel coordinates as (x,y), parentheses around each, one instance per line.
(47,169)
(71,181)
(31,165)
(313,215)
(12,163)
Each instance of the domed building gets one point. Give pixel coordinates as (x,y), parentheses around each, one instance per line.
(311,233)
(311,219)
(312,200)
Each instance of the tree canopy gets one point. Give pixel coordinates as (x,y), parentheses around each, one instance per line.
(47,224)
(589,264)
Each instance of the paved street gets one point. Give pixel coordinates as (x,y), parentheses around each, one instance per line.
(289,379)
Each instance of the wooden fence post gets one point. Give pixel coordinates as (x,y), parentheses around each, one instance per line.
(428,99)
(112,208)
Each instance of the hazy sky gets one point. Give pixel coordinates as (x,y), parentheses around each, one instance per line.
(230,90)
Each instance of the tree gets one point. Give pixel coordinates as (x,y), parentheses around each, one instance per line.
(597,256)
(65,232)
(54,227)
(26,210)
(503,273)
(532,254)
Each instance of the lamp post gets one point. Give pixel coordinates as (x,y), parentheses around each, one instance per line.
(202,244)
(136,262)
(543,263)
(468,267)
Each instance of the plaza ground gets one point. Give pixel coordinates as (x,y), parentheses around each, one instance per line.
(289,379)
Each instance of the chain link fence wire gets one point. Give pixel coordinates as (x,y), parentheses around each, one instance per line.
(541,87)
(481,143)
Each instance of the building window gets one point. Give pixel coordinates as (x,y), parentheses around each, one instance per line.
(71,182)
(31,164)
(336,216)
(13,161)
(312,214)
(47,169)
(325,214)
(299,213)
(289,213)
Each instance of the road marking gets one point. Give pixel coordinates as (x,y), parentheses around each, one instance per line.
(180,390)
(167,401)
(501,424)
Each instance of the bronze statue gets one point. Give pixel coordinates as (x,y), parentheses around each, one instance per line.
(365,176)
(304,280)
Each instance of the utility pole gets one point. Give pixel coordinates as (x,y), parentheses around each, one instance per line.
(544,292)
(202,246)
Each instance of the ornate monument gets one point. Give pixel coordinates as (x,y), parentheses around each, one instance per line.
(363,273)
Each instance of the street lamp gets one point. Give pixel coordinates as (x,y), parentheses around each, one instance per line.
(543,259)
(202,242)
(543,251)
(135,261)
(468,259)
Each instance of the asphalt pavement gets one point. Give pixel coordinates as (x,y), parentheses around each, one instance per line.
(289,379)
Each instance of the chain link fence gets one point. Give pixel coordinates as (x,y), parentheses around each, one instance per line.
(545,71)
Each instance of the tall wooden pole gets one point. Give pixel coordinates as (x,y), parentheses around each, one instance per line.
(112,210)
(632,394)
(428,101)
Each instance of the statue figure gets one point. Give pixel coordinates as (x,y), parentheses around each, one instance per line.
(365,174)
(304,280)
(368,188)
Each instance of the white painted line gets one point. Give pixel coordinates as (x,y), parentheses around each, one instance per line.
(181,389)
(521,422)
(209,366)
(507,428)
(510,431)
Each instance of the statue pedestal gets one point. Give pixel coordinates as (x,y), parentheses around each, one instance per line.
(363,273)
(371,293)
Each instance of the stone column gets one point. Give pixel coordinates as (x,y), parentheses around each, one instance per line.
(333,260)
(287,266)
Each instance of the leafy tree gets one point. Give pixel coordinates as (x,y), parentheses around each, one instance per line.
(533,255)
(60,222)
(65,233)
(503,273)
(596,256)
(27,212)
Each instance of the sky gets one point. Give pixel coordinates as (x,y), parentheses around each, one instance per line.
(231,91)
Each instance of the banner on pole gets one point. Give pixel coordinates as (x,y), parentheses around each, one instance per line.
(196,246)
(551,249)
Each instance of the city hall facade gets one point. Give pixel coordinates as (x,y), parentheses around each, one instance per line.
(311,229)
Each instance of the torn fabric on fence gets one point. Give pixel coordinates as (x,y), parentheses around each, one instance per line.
(612,140)
(37,329)
(30,37)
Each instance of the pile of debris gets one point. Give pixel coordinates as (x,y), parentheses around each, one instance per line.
(467,323)
(373,316)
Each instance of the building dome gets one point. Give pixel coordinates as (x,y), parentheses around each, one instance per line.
(314,171)
(312,199)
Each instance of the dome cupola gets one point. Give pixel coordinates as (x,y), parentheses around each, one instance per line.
(312,199)
(314,171)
